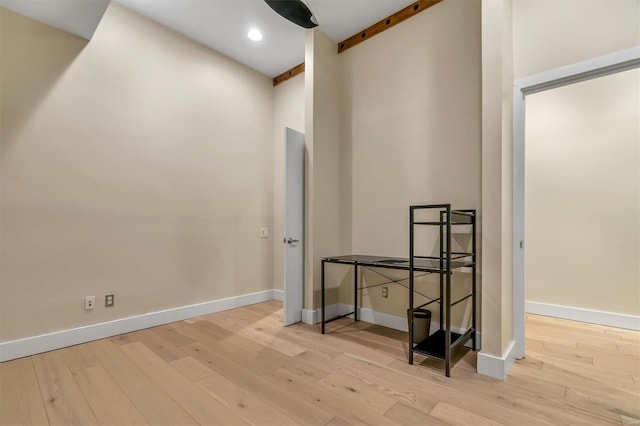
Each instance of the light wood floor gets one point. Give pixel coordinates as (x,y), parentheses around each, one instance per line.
(243,367)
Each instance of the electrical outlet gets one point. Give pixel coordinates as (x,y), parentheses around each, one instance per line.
(89,303)
(109,301)
(385,292)
(264,232)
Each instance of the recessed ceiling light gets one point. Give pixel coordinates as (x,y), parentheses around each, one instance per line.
(254,35)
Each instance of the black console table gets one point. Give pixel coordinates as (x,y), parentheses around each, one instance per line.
(426,266)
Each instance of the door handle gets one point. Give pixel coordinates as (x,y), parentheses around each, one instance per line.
(291,241)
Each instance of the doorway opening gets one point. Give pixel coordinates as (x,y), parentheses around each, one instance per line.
(583,71)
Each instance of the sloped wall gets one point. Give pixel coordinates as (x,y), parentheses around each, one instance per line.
(134,165)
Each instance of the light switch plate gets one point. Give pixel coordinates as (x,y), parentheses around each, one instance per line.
(264,232)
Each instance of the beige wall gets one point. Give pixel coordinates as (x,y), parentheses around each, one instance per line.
(322,137)
(410,134)
(583,195)
(547,35)
(520,38)
(288,104)
(497,217)
(132,164)
(552,33)
(111,141)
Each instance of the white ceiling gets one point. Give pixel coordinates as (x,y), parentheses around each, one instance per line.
(223,24)
(79,17)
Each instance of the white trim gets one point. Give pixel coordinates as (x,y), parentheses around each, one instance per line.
(59,339)
(310,316)
(611,319)
(518,222)
(278,295)
(497,367)
(384,319)
(586,70)
(592,68)
(315,316)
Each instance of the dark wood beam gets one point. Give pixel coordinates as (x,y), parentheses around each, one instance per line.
(298,69)
(388,22)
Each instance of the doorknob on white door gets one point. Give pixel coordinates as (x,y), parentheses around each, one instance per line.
(291,241)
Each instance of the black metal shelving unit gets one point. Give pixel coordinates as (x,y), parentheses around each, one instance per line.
(443,343)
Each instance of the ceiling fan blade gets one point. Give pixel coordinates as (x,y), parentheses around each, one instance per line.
(295,11)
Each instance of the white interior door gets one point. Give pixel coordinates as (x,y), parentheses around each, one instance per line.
(293,227)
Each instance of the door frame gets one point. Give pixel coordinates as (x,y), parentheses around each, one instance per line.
(593,68)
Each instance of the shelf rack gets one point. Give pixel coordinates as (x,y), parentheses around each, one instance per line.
(443,343)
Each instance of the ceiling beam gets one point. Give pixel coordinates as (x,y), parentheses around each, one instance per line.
(375,29)
(388,22)
(298,69)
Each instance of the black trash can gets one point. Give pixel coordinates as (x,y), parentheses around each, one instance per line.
(421,324)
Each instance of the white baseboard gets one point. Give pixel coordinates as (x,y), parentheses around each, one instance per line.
(46,342)
(384,319)
(278,295)
(610,319)
(309,316)
(496,367)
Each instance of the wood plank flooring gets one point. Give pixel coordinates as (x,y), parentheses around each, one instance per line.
(242,367)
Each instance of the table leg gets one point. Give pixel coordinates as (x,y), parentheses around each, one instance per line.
(355,291)
(322,295)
